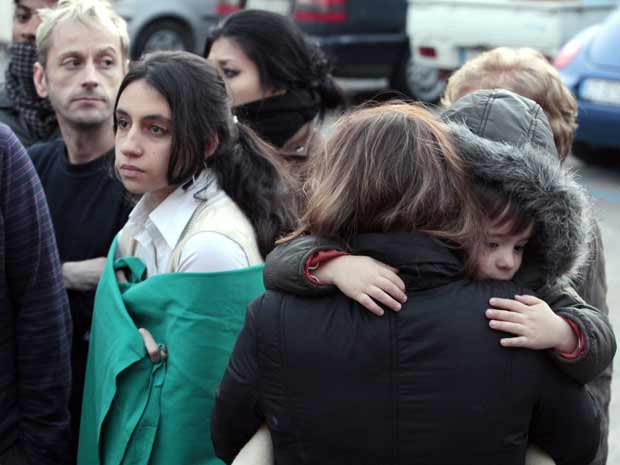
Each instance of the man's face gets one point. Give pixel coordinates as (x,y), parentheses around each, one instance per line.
(84,69)
(26,19)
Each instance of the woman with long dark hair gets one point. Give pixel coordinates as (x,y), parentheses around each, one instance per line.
(280,82)
(206,149)
(184,266)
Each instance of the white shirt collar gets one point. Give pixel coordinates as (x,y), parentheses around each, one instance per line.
(172,215)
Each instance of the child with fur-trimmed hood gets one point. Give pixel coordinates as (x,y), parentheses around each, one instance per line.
(524,191)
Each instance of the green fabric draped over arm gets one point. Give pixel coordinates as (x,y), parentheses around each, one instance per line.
(136,412)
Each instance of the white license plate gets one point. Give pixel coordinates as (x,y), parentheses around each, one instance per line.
(601,91)
(277,6)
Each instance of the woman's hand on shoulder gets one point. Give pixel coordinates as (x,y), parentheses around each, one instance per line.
(365,280)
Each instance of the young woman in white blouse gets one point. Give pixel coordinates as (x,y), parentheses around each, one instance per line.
(213,199)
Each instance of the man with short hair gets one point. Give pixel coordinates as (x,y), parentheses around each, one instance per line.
(35,326)
(30,117)
(83,50)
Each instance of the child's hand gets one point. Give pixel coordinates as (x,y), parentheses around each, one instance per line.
(533,323)
(365,280)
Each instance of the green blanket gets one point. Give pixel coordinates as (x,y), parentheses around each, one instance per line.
(136,412)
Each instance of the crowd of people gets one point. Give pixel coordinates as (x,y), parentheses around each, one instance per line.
(435,282)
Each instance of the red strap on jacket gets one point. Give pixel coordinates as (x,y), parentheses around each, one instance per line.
(317,259)
(578,352)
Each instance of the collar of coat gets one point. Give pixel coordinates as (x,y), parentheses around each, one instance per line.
(423,262)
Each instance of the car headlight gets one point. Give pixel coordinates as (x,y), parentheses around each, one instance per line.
(568,53)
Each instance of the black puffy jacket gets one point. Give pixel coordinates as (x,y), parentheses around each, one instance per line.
(429,385)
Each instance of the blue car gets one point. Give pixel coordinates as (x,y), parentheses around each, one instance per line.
(590,66)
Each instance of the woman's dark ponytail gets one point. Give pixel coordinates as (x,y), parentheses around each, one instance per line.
(248,171)
(329,91)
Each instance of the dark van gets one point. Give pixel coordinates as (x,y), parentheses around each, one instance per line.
(367,39)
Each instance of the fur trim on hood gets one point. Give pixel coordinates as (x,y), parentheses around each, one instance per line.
(559,206)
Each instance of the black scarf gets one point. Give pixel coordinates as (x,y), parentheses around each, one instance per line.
(276,119)
(36,111)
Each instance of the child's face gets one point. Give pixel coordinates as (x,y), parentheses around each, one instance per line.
(501,255)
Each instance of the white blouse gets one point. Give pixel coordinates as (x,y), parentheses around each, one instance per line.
(158,229)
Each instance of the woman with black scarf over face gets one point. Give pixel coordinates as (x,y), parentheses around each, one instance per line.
(279,81)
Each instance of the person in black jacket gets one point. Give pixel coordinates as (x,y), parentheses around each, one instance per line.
(429,384)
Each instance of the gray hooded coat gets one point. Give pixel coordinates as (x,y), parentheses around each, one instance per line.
(569,258)
(568,250)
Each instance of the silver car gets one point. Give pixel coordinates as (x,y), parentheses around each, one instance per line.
(167,24)
(180,24)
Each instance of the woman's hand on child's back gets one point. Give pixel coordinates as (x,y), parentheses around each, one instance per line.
(533,323)
(365,280)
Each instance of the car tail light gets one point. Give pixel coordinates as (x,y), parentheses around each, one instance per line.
(427,52)
(226,7)
(320,11)
(567,54)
